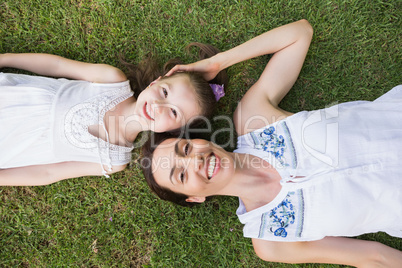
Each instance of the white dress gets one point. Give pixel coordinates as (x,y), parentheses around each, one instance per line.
(45,120)
(341,170)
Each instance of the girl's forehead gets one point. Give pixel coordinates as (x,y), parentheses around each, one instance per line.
(179,77)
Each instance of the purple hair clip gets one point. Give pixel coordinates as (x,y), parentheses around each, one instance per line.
(217,90)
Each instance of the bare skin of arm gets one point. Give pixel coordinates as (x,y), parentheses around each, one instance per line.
(56,66)
(335,250)
(259,106)
(50,173)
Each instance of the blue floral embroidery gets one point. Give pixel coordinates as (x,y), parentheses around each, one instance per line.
(286,219)
(273,144)
(280,232)
(281,216)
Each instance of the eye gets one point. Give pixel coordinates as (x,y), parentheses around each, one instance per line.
(174,112)
(182,176)
(165,93)
(186,149)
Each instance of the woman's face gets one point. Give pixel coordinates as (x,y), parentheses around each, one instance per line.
(196,168)
(168,103)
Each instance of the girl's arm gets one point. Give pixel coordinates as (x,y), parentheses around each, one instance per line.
(50,173)
(56,66)
(335,250)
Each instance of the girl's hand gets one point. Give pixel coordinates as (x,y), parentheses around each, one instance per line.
(208,68)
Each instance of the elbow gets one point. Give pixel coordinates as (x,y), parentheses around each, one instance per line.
(263,255)
(267,251)
(270,256)
(119,76)
(381,255)
(263,249)
(307,28)
(48,176)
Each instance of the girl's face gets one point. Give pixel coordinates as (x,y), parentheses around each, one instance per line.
(168,103)
(196,168)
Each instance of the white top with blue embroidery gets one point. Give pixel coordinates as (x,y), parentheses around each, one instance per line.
(341,172)
(45,120)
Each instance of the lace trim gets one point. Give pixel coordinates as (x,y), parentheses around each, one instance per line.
(93,111)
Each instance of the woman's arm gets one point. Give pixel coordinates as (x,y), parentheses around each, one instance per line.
(335,250)
(259,106)
(286,69)
(50,173)
(56,66)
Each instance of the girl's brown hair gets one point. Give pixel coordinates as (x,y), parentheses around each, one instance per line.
(148,70)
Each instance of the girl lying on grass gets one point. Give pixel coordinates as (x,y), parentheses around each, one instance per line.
(304,180)
(54,129)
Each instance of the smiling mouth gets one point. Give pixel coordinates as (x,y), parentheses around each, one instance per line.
(146,112)
(212,166)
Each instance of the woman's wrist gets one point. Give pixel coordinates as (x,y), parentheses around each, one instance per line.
(221,60)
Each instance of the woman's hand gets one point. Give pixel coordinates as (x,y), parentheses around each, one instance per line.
(209,68)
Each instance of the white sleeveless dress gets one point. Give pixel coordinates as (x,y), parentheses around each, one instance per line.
(341,170)
(45,120)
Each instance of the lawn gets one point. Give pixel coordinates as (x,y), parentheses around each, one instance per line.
(117,222)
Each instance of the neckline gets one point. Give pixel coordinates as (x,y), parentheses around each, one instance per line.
(259,154)
(127,93)
(283,173)
(279,197)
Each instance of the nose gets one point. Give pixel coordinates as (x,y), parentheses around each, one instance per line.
(198,162)
(158,106)
(158,101)
(192,162)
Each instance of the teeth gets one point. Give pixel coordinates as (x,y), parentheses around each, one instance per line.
(148,109)
(211,166)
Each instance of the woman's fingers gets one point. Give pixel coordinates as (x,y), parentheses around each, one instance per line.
(177,68)
(208,70)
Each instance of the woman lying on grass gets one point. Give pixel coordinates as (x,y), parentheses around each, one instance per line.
(304,180)
(54,129)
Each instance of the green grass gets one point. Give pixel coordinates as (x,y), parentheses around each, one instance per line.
(116,222)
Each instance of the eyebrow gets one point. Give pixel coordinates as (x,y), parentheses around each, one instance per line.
(176,150)
(169,85)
